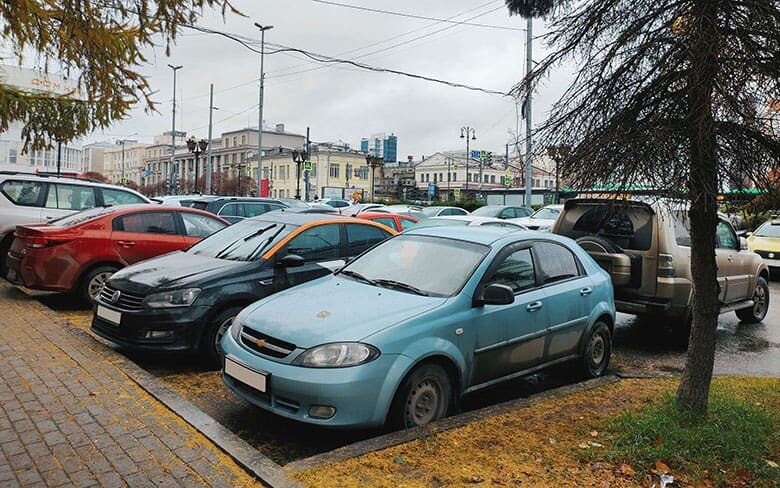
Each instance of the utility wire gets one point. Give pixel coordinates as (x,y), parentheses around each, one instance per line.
(421,17)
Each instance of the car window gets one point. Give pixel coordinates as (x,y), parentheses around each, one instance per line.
(388,222)
(147,223)
(200,205)
(628,227)
(406,223)
(507,213)
(522,212)
(320,242)
(515,271)
(457,211)
(232,210)
(727,239)
(244,241)
(24,193)
(70,197)
(556,263)
(768,229)
(255,209)
(112,196)
(546,213)
(361,237)
(200,225)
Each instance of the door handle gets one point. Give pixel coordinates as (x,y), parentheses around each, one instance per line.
(586,291)
(267,282)
(126,243)
(534,306)
(731,258)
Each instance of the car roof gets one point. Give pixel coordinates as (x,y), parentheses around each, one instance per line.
(468,217)
(382,215)
(237,199)
(151,207)
(481,235)
(11,175)
(298,218)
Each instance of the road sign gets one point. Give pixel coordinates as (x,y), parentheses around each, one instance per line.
(475,154)
(507,181)
(431,190)
(456,192)
(307,165)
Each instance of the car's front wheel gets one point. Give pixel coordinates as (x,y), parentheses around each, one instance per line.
(424,397)
(217,328)
(598,348)
(758,311)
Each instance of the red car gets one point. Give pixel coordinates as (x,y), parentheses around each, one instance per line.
(79,252)
(398,223)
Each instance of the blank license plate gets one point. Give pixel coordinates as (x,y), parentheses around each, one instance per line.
(255,379)
(109,315)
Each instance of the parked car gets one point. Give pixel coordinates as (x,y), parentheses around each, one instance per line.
(469,309)
(542,219)
(765,241)
(396,222)
(30,199)
(355,210)
(236,209)
(185,301)
(179,200)
(442,211)
(468,220)
(334,202)
(79,252)
(645,247)
(411,210)
(307,207)
(502,211)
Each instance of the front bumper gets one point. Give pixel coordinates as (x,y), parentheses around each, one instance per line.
(361,395)
(184,326)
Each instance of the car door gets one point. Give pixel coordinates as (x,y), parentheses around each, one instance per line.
(143,235)
(65,199)
(196,226)
(510,338)
(320,247)
(568,297)
(732,274)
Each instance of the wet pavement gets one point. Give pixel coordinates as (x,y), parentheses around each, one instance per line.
(640,346)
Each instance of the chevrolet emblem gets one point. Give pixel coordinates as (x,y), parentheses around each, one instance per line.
(260,343)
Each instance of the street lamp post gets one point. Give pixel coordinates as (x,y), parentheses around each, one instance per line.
(196,147)
(262,28)
(121,142)
(298,158)
(172,172)
(465,132)
(373,163)
(558,154)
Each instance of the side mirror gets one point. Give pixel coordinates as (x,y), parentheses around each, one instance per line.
(748,234)
(743,244)
(496,294)
(291,261)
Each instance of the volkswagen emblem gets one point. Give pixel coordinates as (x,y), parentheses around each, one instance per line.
(115,296)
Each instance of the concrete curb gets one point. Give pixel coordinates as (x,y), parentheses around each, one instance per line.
(263,468)
(394,438)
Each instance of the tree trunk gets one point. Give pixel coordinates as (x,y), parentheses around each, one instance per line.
(703,188)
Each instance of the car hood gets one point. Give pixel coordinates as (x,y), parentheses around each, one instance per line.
(170,271)
(333,309)
(758,243)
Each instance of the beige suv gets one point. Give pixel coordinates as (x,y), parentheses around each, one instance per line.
(645,247)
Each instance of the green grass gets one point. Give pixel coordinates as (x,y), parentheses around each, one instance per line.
(733,439)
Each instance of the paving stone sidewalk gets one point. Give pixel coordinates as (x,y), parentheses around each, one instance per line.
(68,416)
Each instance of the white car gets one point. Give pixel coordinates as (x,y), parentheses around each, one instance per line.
(542,219)
(178,200)
(438,211)
(27,198)
(467,220)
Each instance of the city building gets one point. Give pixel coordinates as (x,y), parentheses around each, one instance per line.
(13,157)
(396,181)
(381,145)
(92,156)
(124,162)
(444,173)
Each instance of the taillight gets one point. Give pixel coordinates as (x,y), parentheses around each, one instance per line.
(666,266)
(38,242)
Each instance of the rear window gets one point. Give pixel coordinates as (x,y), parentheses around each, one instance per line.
(628,227)
(24,193)
(199,205)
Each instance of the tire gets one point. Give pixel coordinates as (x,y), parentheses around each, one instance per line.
(90,283)
(5,246)
(599,244)
(217,328)
(758,311)
(424,396)
(596,352)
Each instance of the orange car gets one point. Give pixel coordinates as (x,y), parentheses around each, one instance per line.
(395,221)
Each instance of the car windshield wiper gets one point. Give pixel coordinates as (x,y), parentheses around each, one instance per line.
(233,244)
(357,276)
(400,286)
(261,248)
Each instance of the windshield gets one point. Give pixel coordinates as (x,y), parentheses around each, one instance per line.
(244,241)
(83,216)
(431,266)
(768,230)
(487,211)
(546,213)
(437,222)
(431,211)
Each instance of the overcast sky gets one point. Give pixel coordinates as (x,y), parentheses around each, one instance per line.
(345,103)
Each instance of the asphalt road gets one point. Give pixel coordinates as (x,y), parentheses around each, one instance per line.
(639,347)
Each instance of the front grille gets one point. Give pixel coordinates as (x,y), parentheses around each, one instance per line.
(265,344)
(126,301)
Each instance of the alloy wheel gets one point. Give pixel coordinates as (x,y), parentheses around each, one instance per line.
(759,302)
(97,282)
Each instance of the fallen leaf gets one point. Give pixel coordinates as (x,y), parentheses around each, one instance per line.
(658,442)
(551,440)
(626,470)
(771,464)
(584,446)
(662,467)
(594,433)
(595,444)
(477,479)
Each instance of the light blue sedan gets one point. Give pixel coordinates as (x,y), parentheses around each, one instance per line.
(401,333)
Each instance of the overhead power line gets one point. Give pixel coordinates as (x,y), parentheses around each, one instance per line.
(420,17)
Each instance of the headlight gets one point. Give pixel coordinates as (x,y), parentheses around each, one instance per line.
(174,298)
(338,355)
(235,327)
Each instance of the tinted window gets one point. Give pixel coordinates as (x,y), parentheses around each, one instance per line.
(148,223)
(361,237)
(405,223)
(200,225)
(119,197)
(556,262)
(727,239)
(70,197)
(508,213)
(388,222)
(244,241)
(516,271)
(458,211)
(25,193)
(199,205)
(628,227)
(255,209)
(232,210)
(320,242)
